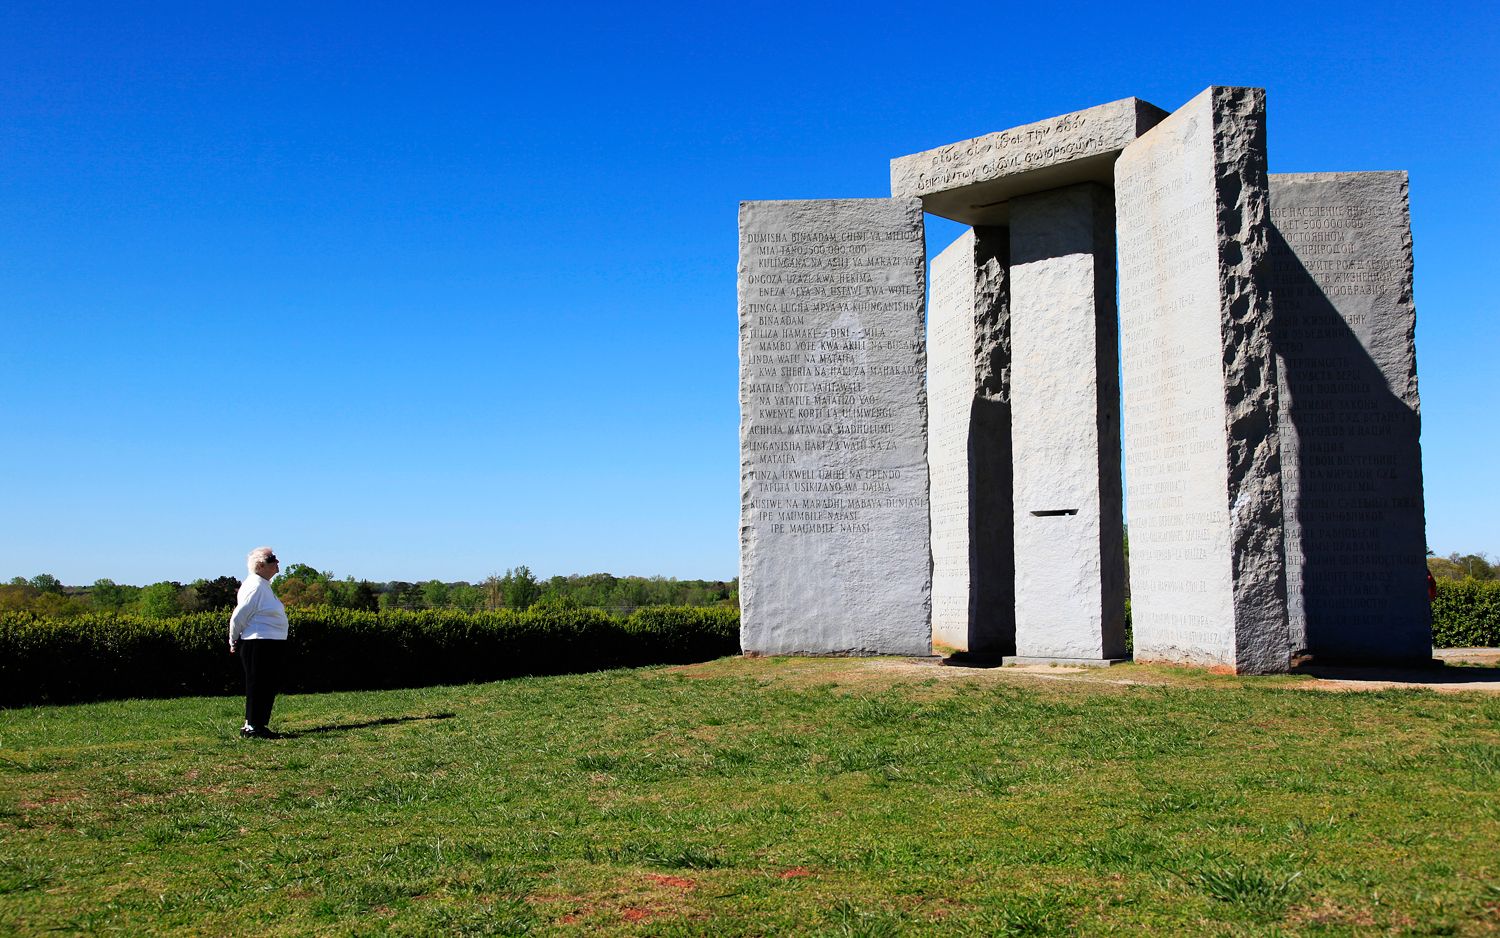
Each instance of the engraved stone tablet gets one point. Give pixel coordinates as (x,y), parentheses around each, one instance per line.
(834,555)
(968,342)
(1065,404)
(972,180)
(1351,460)
(1202,463)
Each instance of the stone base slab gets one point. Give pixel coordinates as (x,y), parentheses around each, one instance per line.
(1010,660)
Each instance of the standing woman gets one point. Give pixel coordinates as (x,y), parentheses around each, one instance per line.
(257,632)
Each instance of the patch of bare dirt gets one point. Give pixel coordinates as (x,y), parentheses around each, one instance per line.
(1327,913)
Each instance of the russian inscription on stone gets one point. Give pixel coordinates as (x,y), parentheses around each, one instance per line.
(972,181)
(1351,460)
(834,555)
(1202,454)
(1070,561)
(973,598)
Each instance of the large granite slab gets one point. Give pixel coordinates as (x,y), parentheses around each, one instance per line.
(1065,407)
(1202,452)
(972,181)
(1351,458)
(834,556)
(969,447)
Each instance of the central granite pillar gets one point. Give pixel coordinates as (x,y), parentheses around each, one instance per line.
(1065,412)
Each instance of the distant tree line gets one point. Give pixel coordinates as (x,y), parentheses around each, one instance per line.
(45,595)
(301,585)
(1458,566)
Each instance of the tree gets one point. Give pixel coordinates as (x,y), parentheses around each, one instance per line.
(1444,569)
(218,593)
(435,594)
(466,597)
(552,600)
(399,594)
(1477,565)
(519,588)
(302,585)
(45,583)
(17,597)
(349,593)
(161,599)
(364,596)
(110,596)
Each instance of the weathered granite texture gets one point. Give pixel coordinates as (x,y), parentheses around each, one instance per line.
(834,555)
(1202,454)
(969,454)
(1070,561)
(1350,417)
(972,181)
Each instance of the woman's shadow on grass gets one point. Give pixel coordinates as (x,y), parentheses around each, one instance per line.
(364,724)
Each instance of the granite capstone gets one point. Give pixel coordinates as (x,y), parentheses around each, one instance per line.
(973,181)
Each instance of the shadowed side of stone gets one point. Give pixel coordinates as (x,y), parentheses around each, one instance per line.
(1350,417)
(970,447)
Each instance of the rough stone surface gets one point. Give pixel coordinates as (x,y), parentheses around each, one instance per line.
(972,181)
(969,451)
(834,555)
(1350,418)
(1202,454)
(1070,561)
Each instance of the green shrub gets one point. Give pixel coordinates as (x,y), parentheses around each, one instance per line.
(111,655)
(1466,614)
(677,634)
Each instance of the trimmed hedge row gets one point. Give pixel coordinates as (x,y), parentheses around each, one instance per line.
(104,656)
(112,655)
(1466,614)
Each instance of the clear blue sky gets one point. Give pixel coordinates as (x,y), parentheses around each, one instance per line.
(431,290)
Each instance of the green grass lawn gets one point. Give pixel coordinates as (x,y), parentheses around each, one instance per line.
(829,797)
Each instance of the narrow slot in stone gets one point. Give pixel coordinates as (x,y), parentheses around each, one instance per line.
(1055,512)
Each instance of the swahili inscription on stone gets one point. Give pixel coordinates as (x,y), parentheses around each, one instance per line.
(1199,385)
(834,555)
(1351,460)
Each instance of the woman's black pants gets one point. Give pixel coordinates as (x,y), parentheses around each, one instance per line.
(262,660)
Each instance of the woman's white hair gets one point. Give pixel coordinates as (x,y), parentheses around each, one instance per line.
(257,557)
